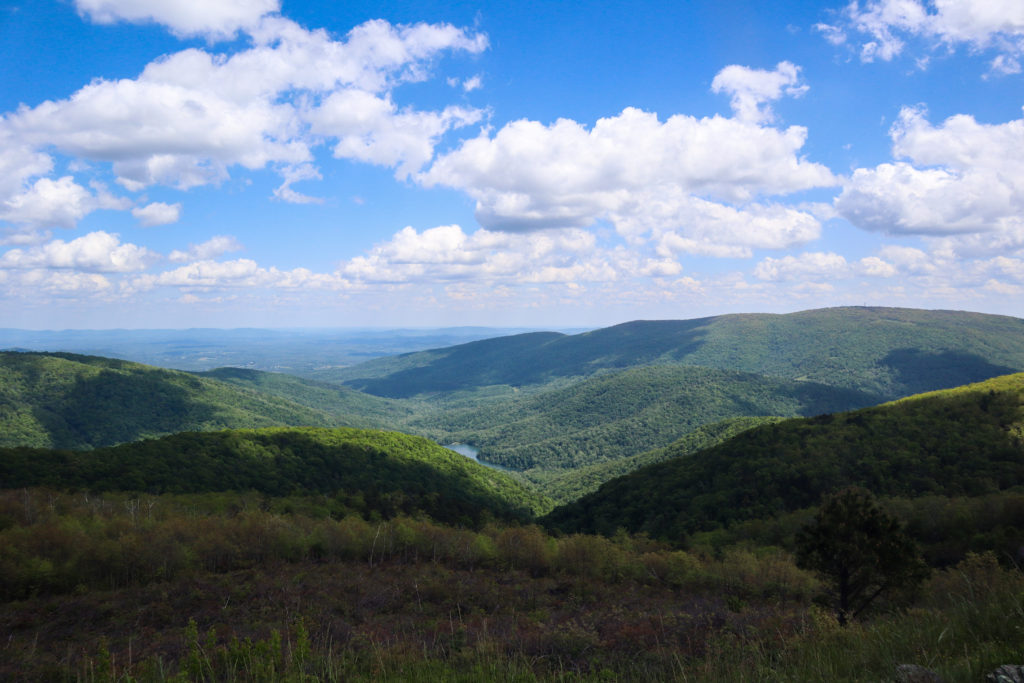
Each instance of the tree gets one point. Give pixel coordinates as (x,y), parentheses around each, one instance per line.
(860,550)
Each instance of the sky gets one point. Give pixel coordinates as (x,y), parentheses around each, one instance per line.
(276,163)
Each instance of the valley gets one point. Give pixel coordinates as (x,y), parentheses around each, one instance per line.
(633,489)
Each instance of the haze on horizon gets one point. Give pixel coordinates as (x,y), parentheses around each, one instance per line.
(274,164)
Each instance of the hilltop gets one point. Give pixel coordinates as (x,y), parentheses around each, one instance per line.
(883,352)
(362,471)
(64,400)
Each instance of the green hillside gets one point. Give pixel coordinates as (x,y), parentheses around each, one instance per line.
(366,471)
(61,400)
(886,352)
(967,441)
(355,409)
(619,414)
(569,484)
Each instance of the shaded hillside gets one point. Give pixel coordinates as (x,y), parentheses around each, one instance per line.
(887,352)
(481,363)
(370,472)
(965,441)
(567,485)
(614,415)
(353,408)
(63,400)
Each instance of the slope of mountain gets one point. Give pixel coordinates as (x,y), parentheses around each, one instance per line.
(964,441)
(353,408)
(64,400)
(618,414)
(568,484)
(371,471)
(887,352)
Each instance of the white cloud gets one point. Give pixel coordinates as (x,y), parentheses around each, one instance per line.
(294,174)
(212,248)
(372,129)
(157,213)
(640,174)
(24,237)
(1004,288)
(696,226)
(54,282)
(979,24)
(193,115)
(964,182)
(211,18)
(18,163)
(239,273)
(807,266)
(910,260)
(832,34)
(752,89)
(97,251)
(487,259)
(57,203)
(876,267)
(1004,65)
(472,83)
(818,266)
(446,252)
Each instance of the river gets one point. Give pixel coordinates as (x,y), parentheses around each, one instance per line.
(474,454)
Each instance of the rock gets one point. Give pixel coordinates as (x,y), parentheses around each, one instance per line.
(912,673)
(1007,673)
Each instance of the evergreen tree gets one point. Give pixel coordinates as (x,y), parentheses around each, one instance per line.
(860,550)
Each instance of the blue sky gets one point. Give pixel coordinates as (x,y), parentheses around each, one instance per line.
(272,163)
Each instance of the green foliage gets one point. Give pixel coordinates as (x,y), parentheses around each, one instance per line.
(619,414)
(259,596)
(860,550)
(962,442)
(569,484)
(61,400)
(885,352)
(350,408)
(370,472)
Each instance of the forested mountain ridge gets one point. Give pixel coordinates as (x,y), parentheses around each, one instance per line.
(618,414)
(64,400)
(370,472)
(564,485)
(967,441)
(355,408)
(887,352)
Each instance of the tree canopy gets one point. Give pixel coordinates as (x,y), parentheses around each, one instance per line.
(859,550)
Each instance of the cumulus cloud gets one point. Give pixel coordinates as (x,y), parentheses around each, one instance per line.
(97,251)
(979,24)
(157,213)
(212,248)
(18,164)
(372,129)
(215,19)
(753,89)
(239,273)
(448,253)
(640,174)
(55,282)
(489,259)
(818,266)
(57,203)
(963,181)
(191,116)
(808,266)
